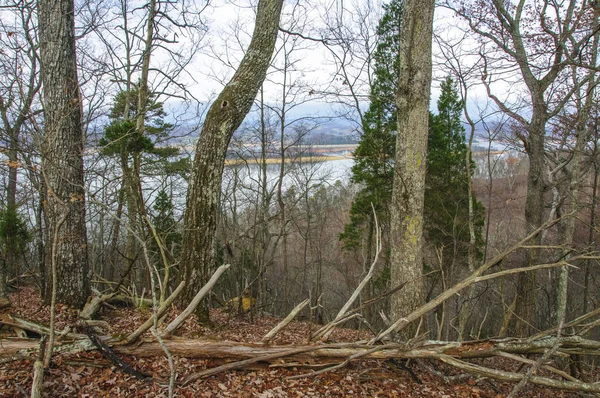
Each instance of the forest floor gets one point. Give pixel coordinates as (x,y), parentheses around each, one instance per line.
(88,374)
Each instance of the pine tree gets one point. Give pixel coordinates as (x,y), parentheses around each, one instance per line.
(121,135)
(373,166)
(163,220)
(134,147)
(446,200)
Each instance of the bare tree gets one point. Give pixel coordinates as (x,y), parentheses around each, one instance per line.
(20,85)
(536,41)
(223,118)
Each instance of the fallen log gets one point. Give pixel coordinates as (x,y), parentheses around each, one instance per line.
(210,349)
(335,355)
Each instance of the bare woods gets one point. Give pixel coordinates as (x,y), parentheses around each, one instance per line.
(461,226)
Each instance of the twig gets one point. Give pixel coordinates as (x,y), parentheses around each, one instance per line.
(326,330)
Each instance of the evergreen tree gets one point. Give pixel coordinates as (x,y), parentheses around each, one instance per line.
(14,237)
(121,136)
(446,209)
(163,220)
(373,165)
(136,151)
(446,184)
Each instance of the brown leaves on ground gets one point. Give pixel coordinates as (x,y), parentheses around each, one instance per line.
(88,374)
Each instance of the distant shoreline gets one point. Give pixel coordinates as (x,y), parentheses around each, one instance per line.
(302,159)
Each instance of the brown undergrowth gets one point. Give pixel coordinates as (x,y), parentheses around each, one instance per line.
(88,374)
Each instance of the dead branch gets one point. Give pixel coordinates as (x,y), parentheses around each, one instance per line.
(326,330)
(401,323)
(177,322)
(38,371)
(552,369)
(575,322)
(241,364)
(159,313)
(93,305)
(273,332)
(452,353)
(535,366)
(515,377)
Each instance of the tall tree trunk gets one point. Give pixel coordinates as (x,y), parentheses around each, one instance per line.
(466,309)
(223,118)
(591,228)
(62,148)
(406,210)
(8,262)
(584,102)
(524,319)
(114,256)
(131,245)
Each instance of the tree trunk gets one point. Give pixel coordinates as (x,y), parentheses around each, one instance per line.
(525,306)
(62,148)
(223,118)
(585,101)
(406,210)
(8,262)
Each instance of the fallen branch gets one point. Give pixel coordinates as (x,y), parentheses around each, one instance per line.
(93,305)
(273,332)
(159,314)
(540,362)
(38,372)
(326,330)
(241,364)
(516,377)
(192,348)
(476,276)
(311,356)
(177,322)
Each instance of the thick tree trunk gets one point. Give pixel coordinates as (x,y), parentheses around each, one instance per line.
(62,148)
(223,118)
(406,210)
(525,307)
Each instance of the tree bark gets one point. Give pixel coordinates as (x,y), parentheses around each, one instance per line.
(406,210)
(62,148)
(223,118)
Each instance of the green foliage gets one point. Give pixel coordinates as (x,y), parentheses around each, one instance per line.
(154,123)
(121,135)
(181,166)
(446,181)
(373,167)
(163,220)
(446,203)
(14,234)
